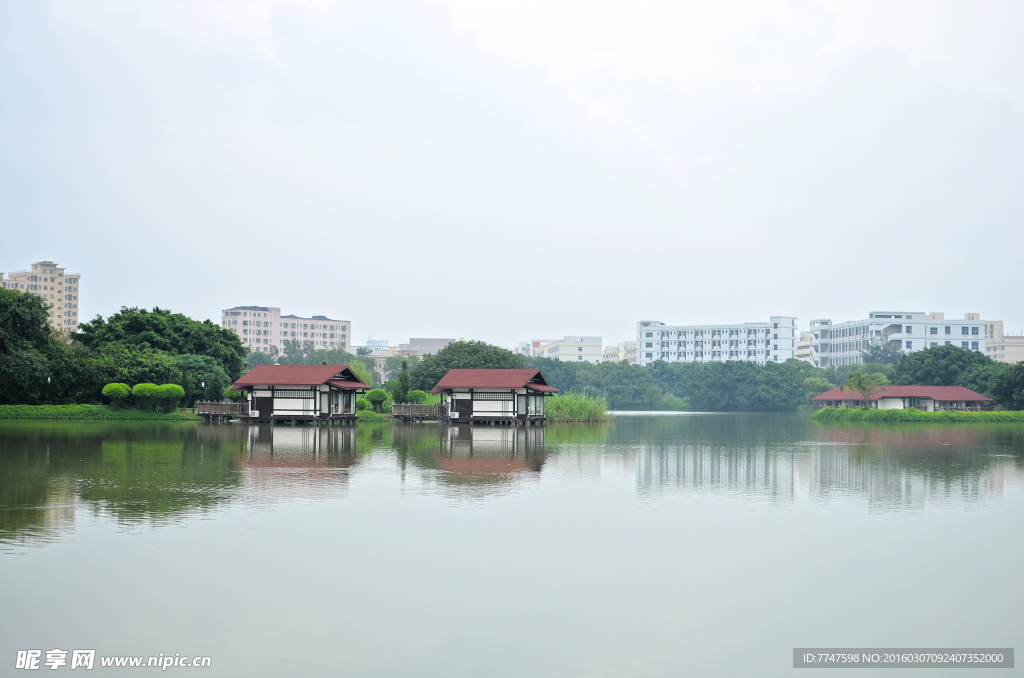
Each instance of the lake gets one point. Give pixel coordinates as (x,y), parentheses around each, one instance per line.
(694,544)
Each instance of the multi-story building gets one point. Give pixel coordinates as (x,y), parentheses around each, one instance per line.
(530,348)
(803,347)
(1006,348)
(835,344)
(624,350)
(261,327)
(51,282)
(757,342)
(423,346)
(572,349)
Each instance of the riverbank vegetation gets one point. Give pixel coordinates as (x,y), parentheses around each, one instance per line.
(90,412)
(575,407)
(863,414)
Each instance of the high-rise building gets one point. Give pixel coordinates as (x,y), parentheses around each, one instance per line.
(261,327)
(757,342)
(835,344)
(59,288)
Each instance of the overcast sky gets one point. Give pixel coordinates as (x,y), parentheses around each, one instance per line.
(509,170)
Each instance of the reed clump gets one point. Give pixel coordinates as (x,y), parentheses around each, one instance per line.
(576,407)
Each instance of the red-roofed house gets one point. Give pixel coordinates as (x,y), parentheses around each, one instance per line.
(301,392)
(494,396)
(927,398)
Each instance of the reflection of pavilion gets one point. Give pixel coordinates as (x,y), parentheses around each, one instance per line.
(306,461)
(486,450)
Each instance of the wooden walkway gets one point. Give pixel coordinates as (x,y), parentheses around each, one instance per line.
(221,411)
(416,411)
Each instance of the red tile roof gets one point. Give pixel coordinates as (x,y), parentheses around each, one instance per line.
(298,375)
(933,392)
(510,379)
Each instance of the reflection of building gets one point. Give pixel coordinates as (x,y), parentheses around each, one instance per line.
(261,327)
(305,461)
(907,331)
(49,281)
(926,398)
(754,342)
(486,450)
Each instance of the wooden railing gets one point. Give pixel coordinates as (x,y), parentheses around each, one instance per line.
(416,410)
(222,409)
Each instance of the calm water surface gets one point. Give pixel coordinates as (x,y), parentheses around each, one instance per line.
(651,546)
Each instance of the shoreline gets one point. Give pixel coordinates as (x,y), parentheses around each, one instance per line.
(834,414)
(88,412)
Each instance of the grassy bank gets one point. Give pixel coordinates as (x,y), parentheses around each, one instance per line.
(370,415)
(857,414)
(89,412)
(575,407)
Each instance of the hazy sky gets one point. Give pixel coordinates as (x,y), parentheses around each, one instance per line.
(508,170)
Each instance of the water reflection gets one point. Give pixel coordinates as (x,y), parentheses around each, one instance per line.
(50,473)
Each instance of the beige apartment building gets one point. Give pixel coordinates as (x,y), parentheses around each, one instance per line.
(1006,348)
(51,282)
(624,350)
(261,327)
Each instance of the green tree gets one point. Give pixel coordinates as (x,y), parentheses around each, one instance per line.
(938,366)
(865,384)
(172,333)
(116,393)
(24,322)
(882,352)
(401,392)
(129,364)
(201,377)
(462,354)
(260,358)
(377,397)
(816,386)
(364,373)
(1008,387)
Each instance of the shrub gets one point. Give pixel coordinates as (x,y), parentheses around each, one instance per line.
(145,395)
(377,397)
(170,395)
(417,396)
(575,407)
(362,404)
(116,393)
(863,414)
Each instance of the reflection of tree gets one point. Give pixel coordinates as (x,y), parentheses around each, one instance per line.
(135,470)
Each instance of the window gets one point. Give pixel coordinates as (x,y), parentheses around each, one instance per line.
(648,336)
(974,331)
(934,344)
(910,344)
(776,326)
(933,330)
(974,346)
(649,345)
(963,330)
(909,329)
(963,344)
(649,355)
(947,343)
(947,329)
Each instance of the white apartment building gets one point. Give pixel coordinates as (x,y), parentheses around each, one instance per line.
(53,283)
(261,327)
(757,342)
(573,349)
(835,344)
(1006,348)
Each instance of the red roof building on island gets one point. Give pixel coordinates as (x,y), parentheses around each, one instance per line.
(928,398)
(494,396)
(301,392)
